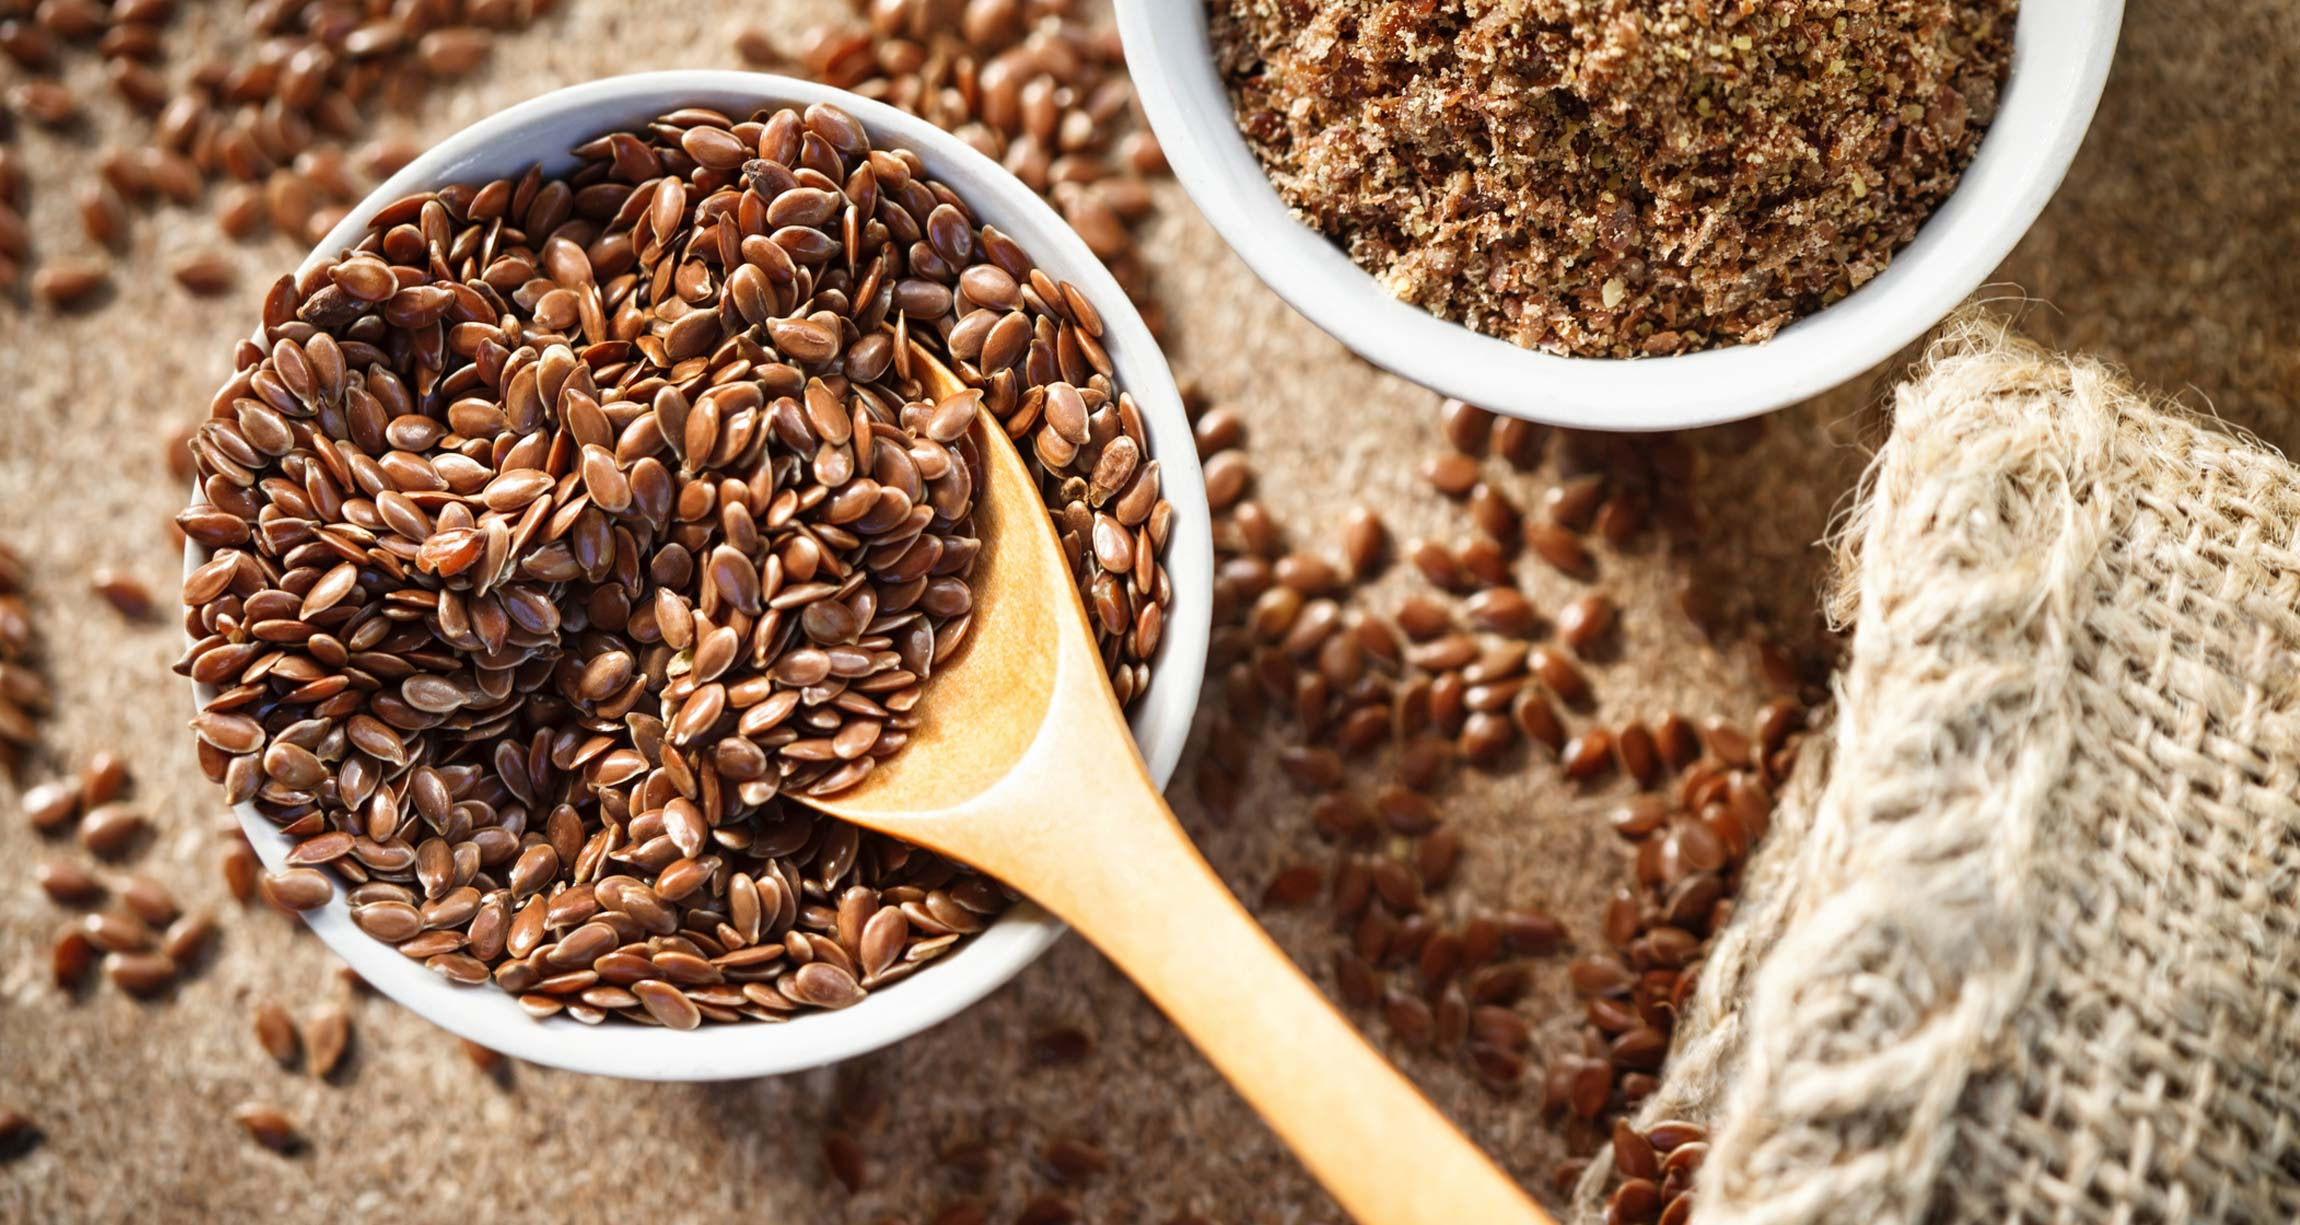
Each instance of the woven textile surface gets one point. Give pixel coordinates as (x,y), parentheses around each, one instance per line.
(2024,946)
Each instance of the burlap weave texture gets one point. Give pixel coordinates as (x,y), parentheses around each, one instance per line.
(2024,944)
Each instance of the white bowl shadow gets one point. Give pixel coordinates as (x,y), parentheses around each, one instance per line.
(2061,55)
(542,130)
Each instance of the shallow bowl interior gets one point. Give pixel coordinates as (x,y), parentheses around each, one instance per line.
(2061,55)
(543,130)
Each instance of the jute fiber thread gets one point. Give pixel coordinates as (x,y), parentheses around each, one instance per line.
(2025,941)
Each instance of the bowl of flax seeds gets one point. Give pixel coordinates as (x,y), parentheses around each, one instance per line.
(1633,215)
(571,516)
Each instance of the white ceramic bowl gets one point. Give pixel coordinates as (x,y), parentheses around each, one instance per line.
(543,130)
(2061,52)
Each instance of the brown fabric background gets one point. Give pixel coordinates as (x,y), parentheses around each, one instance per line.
(2170,250)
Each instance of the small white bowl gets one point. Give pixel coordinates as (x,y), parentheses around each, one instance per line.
(2061,53)
(543,130)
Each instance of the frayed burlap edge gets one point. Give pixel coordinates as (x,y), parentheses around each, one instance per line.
(2021,945)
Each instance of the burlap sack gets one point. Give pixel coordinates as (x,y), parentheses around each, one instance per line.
(2024,944)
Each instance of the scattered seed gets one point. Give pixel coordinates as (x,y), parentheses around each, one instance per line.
(103,779)
(1726,742)
(275,1032)
(843,1157)
(141,974)
(50,806)
(1047,1208)
(1365,542)
(67,883)
(1588,754)
(118,931)
(1633,744)
(1573,502)
(148,899)
(110,830)
(1061,1044)
(1436,857)
(1502,610)
(187,938)
(126,594)
(267,1125)
(1560,548)
(1227,476)
(1619,519)
(1450,474)
(1074,1161)
(326,1035)
(1467,427)
(1293,885)
(757,48)
(1405,811)
(17,1131)
(1520,443)
(50,103)
(70,958)
(205,274)
(1585,621)
(240,868)
(1558,674)
(69,283)
(1633,1155)
(102,217)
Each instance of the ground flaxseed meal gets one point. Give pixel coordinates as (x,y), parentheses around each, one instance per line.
(1615,177)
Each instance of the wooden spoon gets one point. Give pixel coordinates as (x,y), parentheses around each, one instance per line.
(1024,768)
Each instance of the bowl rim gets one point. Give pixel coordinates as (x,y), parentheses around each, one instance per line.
(1161,717)
(2061,55)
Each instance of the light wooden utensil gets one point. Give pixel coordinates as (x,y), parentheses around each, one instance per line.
(1024,768)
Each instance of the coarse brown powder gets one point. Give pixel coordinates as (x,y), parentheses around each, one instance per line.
(1615,177)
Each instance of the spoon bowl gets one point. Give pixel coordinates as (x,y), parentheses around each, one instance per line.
(1023,768)
(544,130)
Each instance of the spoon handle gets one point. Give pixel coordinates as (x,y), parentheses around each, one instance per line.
(1148,900)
